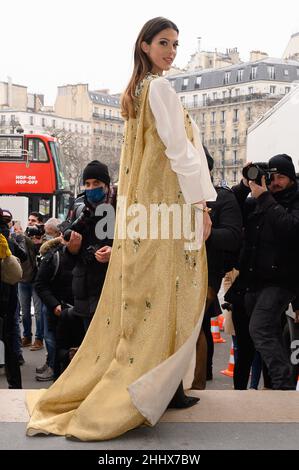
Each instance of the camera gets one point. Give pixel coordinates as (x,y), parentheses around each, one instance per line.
(255,171)
(77,225)
(36,231)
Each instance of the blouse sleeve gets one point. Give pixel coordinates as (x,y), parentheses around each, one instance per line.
(187,160)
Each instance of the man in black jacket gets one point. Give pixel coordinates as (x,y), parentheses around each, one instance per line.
(222,249)
(269,261)
(90,254)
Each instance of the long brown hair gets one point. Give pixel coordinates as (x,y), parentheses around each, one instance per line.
(142,64)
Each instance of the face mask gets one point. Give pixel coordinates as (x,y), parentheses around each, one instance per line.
(95,195)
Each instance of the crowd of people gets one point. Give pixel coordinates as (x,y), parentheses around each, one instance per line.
(254,236)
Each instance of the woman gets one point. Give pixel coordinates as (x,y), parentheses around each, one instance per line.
(138,346)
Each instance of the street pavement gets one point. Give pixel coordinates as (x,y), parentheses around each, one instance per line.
(175,432)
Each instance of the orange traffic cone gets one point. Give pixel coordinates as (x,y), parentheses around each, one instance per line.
(221,322)
(297,388)
(231,364)
(215,331)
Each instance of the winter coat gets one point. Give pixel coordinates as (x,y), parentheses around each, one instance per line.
(270,251)
(88,273)
(224,242)
(53,282)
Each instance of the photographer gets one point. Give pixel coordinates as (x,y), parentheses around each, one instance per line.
(269,260)
(31,242)
(90,255)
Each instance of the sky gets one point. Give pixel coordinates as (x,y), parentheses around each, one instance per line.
(45,44)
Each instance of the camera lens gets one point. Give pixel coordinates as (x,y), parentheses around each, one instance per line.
(252,173)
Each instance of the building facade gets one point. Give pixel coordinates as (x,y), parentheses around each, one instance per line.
(102,110)
(225,102)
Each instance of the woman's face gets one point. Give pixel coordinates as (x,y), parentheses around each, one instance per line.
(162,50)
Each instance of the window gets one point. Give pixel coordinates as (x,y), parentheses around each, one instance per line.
(43,122)
(250,90)
(235,156)
(185,83)
(224,94)
(3,118)
(222,116)
(287,89)
(183,100)
(37,150)
(31,121)
(215,95)
(195,101)
(226,77)
(53,123)
(271,72)
(213,117)
(286,72)
(272,90)
(203,118)
(204,99)
(11,148)
(237,91)
(172,83)
(253,73)
(240,75)
(202,138)
(234,176)
(248,114)
(198,82)
(236,115)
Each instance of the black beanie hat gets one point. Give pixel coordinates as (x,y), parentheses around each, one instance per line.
(96,170)
(284,165)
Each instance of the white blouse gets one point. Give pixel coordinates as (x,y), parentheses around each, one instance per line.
(187,160)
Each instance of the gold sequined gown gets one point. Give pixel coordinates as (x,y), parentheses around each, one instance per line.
(139,344)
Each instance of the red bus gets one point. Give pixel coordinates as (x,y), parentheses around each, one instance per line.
(30,166)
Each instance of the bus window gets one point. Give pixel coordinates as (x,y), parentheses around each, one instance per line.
(11,148)
(45,207)
(61,183)
(63,204)
(37,151)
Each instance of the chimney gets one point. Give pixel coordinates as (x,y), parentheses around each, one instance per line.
(9,92)
(198,44)
(257,55)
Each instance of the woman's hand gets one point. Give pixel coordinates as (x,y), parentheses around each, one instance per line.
(207,225)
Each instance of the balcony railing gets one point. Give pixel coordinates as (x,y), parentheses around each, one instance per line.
(107,117)
(229,163)
(234,99)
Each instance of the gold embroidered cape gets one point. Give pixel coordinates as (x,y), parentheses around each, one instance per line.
(139,344)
